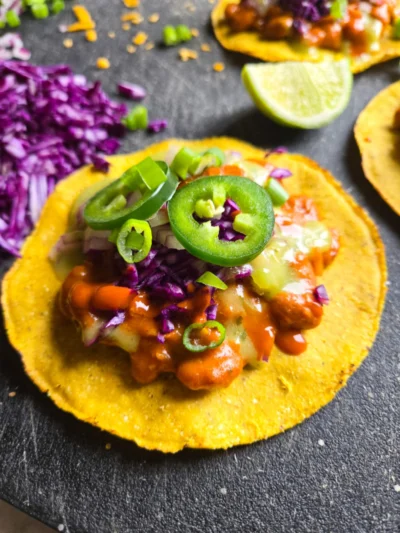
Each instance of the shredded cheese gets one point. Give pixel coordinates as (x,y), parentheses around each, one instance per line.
(85,21)
(140,38)
(91,36)
(103,63)
(218,67)
(186,54)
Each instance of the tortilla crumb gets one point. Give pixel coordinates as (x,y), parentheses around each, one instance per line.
(133,16)
(205,47)
(285,383)
(211,1)
(131,3)
(195,32)
(68,43)
(149,46)
(397,488)
(111,34)
(85,21)
(186,54)
(103,63)
(126,26)
(12,394)
(91,36)
(140,38)
(218,67)
(155,17)
(190,7)
(108,446)
(131,49)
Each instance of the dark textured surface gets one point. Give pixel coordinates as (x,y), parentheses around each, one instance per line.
(57,468)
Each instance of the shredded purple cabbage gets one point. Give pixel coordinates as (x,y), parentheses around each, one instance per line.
(321,295)
(116,320)
(280,173)
(311,10)
(132,91)
(51,123)
(155,126)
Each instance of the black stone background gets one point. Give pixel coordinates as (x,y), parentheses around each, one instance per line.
(58,470)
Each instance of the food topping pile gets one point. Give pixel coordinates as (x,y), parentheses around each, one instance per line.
(339,25)
(197,267)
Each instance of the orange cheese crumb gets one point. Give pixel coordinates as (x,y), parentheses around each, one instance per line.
(186,54)
(131,3)
(103,63)
(218,67)
(195,32)
(85,21)
(108,446)
(140,38)
(91,36)
(68,43)
(155,17)
(133,16)
(131,49)
(205,47)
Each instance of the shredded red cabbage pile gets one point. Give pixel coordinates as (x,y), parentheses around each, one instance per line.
(51,123)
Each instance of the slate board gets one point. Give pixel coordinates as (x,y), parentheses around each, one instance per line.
(57,469)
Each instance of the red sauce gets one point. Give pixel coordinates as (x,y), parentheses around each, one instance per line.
(86,298)
(291,342)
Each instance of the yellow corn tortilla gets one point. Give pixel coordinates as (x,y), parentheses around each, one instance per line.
(95,384)
(379,144)
(252,44)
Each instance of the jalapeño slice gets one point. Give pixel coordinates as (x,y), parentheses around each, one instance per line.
(201,239)
(152,181)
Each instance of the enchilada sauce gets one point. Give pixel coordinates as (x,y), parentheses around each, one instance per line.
(253,322)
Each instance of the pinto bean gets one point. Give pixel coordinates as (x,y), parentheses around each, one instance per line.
(278,28)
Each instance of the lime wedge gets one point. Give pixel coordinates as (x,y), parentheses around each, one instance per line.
(300,94)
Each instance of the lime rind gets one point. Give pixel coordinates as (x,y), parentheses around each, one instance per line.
(300,94)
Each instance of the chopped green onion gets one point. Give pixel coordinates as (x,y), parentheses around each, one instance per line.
(207,208)
(170,36)
(244,223)
(58,5)
(276,192)
(339,9)
(183,33)
(396,29)
(137,118)
(193,346)
(218,154)
(13,19)
(214,157)
(151,174)
(210,279)
(40,11)
(184,160)
(134,240)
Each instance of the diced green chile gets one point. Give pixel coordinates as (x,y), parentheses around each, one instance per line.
(195,347)
(201,238)
(134,240)
(109,208)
